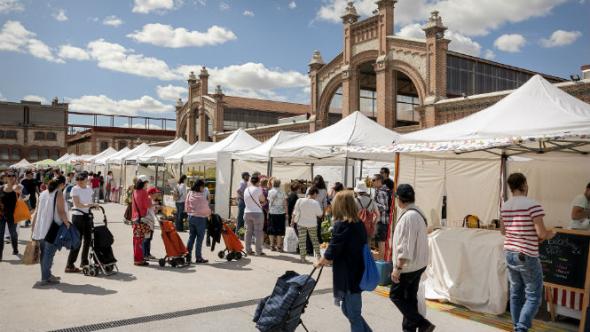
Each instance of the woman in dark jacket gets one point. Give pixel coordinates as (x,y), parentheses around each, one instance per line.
(8,198)
(345,251)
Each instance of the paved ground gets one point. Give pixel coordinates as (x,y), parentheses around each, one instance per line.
(214,297)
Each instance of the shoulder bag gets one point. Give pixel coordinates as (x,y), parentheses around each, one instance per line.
(54,228)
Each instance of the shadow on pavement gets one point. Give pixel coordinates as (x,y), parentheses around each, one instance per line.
(291,259)
(233,265)
(168,268)
(78,289)
(120,276)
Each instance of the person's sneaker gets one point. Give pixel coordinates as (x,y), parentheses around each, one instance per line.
(15,252)
(44,283)
(261,254)
(201,261)
(427,328)
(72,270)
(54,279)
(144,263)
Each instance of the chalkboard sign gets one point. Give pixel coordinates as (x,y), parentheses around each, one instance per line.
(564,259)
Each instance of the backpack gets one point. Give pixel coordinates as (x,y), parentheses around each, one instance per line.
(367,217)
(471,221)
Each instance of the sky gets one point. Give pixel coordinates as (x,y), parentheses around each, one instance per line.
(133,57)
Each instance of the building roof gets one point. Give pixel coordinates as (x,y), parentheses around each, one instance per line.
(266,105)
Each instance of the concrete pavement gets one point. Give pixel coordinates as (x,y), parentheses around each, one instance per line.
(217,296)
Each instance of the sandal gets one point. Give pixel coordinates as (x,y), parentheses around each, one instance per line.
(72,270)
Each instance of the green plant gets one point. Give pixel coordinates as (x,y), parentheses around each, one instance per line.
(326,230)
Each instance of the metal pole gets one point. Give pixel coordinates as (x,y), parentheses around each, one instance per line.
(312,171)
(156,181)
(346,172)
(361,171)
(504,176)
(231,180)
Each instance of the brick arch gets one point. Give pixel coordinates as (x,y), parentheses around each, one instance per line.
(326,99)
(363,57)
(414,76)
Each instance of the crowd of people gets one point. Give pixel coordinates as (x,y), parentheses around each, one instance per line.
(358,216)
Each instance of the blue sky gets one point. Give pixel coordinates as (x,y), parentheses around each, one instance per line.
(133,56)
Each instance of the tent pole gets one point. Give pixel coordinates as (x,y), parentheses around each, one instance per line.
(269,167)
(393,211)
(312,171)
(504,176)
(156,180)
(353,173)
(361,171)
(231,180)
(346,172)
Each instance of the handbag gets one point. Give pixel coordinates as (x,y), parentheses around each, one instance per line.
(21,212)
(32,252)
(371,274)
(140,228)
(54,228)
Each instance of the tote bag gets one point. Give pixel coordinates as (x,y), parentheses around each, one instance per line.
(371,274)
(21,212)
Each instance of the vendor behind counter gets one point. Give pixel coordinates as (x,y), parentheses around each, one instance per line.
(581,211)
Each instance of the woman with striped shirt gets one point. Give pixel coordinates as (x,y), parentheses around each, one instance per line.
(522,225)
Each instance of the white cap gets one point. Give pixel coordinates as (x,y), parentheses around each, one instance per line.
(143,178)
(361,187)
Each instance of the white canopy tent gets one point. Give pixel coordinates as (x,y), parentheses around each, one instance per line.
(109,159)
(108,152)
(63,158)
(105,158)
(219,154)
(119,158)
(177,157)
(159,156)
(22,164)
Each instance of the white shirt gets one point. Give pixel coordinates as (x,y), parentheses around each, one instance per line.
(582,202)
(307,211)
(181,193)
(410,240)
(252,197)
(45,214)
(85,197)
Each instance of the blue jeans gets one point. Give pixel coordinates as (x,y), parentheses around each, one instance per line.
(197,227)
(47,252)
(147,246)
(8,222)
(179,216)
(351,306)
(241,208)
(526,288)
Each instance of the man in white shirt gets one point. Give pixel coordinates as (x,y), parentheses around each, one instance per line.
(82,197)
(306,212)
(581,211)
(253,215)
(410,257)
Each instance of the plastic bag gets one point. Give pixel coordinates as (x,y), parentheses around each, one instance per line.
(371,274)
(21,212)
(32,252)
(290,242)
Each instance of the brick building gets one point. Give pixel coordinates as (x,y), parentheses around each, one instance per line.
(32,131)
(97,139)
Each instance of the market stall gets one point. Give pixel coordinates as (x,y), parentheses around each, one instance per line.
(155,160)
(218,156)
(23,164)
(530,130)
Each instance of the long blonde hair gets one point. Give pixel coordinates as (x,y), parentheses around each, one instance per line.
(344,207)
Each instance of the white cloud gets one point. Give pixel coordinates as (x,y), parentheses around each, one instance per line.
(561,38)
(158,6)
(292,5)
(60,15)
(8,6)
(15,37)
(166,36)
(72,52)
(248,13)
(112,20)
(468,17)
(489,54)
(2,97)
(223,6)
(118,58)
(171,92)
(40,99)
(459,43)
(251,79)
(105,105)
(511,43)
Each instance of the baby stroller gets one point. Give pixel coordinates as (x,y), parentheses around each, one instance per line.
(233,246)
(101,251)
(282,310)
(176,253)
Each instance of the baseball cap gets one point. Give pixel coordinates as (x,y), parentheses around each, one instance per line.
(153,190)
(405,191)
(143,178)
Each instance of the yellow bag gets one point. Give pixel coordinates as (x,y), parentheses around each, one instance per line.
(21,212)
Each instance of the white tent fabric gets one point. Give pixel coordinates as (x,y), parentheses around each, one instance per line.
(263,151)
(238,141)
(22,164)
(159,156)
(120,158)
(536,110)
(104,160)
(177,158)
(63,158)
(339,140)
(114,156)
(108,152)
(138,152)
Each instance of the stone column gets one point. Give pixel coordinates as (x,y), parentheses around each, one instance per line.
(350,91)
(436,49)
(203,128)
(218,122)
(315,65)
(192,119)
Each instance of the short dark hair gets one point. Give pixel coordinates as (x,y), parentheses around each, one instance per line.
(338,186)
(245,174)
(254,179)
(182,179)
(588,186)
(516,181)
(294,186)
(140,185)
(318,182)
(198,185)
(81,177)
(313,190)
(385,170)
(53,184)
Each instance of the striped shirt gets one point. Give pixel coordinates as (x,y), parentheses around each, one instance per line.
(517,215)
